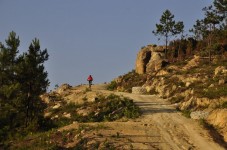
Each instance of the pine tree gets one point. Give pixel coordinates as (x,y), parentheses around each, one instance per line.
(33,79)
(9,86)
(199,30)
(168,27)
(212,18)
(179,28)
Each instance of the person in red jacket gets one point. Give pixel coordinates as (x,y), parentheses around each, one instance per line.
(90,79)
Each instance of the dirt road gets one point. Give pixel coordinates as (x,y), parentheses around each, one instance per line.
(159,127)
(162,127)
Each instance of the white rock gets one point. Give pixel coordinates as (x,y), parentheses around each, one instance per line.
(139,90)
(221,82)
(212,85)
(67,115)
(199,115)
(219,70)
(188,84)
(56,106)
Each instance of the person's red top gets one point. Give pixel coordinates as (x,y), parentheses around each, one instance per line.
(89,78)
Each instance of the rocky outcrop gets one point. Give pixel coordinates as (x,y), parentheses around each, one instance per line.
(192,63)
(63,88)
(160,86)
(150,59)
(220,70)
(143,57)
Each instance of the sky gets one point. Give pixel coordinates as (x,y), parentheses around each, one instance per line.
(97,37)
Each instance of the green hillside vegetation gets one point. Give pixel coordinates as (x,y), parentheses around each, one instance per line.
(104,108)
(127,81)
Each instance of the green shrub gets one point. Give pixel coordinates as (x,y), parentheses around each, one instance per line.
(186,113)
(128,80)
(112,86)
(114,107)
(224,105)
(107,108)
(212,93)
(176,99)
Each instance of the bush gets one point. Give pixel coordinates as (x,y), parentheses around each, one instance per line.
(114,107)
(186,113)
(176,99)
(107,108)
(112,86)
(127,81)
(224,105)
(215,92)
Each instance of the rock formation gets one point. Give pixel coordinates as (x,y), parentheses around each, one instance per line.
(149,59)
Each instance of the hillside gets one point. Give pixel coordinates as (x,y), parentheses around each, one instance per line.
(159,105)
(159,125)
(195,86)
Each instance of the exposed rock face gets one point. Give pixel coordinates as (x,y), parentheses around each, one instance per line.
(220,70)
(218,118)
(150,58)
(63,88)
(156,62)
(192,63)
(143,57)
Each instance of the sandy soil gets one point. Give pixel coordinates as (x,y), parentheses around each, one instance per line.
(159,127)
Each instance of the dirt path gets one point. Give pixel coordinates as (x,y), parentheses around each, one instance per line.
(165,128)
(159,127)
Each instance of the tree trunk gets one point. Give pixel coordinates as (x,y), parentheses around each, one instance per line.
(28,106)
(166,47)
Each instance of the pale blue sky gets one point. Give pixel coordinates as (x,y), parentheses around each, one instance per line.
(97,37)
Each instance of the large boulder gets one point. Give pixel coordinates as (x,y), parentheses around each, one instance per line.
(143,57)
(156,62)
(150,58)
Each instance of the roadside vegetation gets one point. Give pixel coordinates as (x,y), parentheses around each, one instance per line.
(104,108)
(125,82)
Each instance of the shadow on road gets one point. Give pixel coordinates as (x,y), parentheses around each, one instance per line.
(149,108)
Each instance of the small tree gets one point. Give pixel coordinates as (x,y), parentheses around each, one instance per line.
(168,27)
